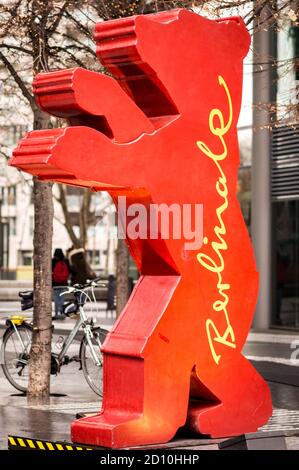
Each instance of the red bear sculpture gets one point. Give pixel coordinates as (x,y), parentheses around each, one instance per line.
(163,130)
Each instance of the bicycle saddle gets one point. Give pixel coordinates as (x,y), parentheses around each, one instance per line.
(70,309)
(26,299)
(26,294)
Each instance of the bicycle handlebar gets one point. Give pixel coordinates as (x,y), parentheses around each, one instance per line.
(81,287)
(89,283)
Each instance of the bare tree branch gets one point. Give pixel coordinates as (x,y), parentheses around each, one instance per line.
(76,40)
(58,18)
(18,79)
(68,224)
(79,25)
(75,59)
(17,48)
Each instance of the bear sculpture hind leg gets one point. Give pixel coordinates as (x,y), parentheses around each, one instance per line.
(146,372)
(244,402)
(155,403)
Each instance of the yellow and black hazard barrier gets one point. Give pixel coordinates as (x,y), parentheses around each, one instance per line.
(24,443)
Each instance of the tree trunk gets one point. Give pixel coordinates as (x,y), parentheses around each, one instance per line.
(40,355)
(122,276)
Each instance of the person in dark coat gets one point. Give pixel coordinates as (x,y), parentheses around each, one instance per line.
(80,269)
(111,295)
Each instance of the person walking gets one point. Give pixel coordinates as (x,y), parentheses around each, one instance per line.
(111,294)
(79,267)
(60,276)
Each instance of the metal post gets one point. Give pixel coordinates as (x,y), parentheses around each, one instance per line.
(263,91)
(1,240)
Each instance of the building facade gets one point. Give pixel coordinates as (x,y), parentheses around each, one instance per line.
(272,202)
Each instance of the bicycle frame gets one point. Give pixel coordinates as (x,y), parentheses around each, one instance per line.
(69,339)
(20,338)
(25,348)
(82,321)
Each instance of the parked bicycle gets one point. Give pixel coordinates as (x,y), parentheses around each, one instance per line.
(17,337)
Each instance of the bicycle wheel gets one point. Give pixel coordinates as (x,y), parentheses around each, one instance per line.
(93,373)
(15,356)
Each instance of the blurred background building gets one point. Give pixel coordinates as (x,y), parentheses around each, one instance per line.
(268,188)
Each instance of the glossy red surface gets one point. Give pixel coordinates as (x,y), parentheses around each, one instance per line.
(163,130)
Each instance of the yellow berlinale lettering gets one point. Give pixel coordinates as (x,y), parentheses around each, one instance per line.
(219,129)
(210,325)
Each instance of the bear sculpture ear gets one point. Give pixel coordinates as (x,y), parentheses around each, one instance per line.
(241,37)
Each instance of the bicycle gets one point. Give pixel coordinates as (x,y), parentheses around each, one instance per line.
(16,344)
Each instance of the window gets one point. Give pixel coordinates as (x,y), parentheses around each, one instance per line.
(94,257)
(26,258)
(31,225)
(294,34)
(286,272)
(8,195)
(73,198)
(11,195)
(12,226)
(73,191)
